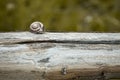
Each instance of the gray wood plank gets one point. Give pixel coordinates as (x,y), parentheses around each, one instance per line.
(29,56)
(16,37)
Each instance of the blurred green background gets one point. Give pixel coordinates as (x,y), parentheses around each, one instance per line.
(61,15)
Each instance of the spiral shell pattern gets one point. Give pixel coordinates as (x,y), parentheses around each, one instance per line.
(37,27)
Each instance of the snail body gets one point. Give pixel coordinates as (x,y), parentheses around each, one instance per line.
(37,27)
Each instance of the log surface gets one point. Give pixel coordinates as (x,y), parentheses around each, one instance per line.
(59,56)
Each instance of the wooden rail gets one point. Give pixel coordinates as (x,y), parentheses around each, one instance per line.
(59,56)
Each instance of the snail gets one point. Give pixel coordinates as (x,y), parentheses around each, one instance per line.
(37,27)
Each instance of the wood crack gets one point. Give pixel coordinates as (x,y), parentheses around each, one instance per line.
(72,42)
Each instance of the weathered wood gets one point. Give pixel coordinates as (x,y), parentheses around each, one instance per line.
(20,37)
(85,56)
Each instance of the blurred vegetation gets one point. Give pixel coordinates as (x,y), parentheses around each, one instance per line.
(61,15)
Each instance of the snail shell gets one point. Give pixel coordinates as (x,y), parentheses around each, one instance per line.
(37,27)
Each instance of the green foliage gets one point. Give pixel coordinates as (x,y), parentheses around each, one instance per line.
(61,15)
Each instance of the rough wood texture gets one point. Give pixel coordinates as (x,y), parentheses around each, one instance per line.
(59,56)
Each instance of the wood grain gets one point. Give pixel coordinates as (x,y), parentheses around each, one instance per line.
(85,56)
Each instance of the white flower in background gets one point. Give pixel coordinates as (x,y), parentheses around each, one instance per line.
(10,6)
(88,19)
